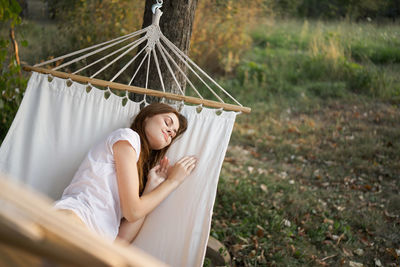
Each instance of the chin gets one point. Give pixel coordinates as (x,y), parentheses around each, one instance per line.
(158,146)
(162,146)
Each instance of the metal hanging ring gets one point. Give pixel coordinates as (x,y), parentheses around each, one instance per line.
(156,6)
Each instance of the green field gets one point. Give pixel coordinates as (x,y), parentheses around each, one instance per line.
(312,175)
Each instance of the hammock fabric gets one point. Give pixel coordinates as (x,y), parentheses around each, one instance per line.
(59,121)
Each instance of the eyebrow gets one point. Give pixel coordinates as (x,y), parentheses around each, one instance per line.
(172,122)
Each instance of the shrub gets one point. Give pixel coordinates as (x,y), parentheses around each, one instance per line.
(292,59)
(12,83)
(221,33)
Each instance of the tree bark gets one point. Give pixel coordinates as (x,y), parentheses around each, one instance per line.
(176,24)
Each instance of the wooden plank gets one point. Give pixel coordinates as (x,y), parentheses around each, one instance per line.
(13,257)
(61,239)
(139,90)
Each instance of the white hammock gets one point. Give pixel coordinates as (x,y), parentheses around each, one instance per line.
(59,121)
(55,127)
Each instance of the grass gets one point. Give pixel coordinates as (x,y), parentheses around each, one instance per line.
(311,177)
(322,59)
(304,182)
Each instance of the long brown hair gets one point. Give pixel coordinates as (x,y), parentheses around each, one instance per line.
(149,158)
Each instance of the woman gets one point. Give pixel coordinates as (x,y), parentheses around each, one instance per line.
(126,176)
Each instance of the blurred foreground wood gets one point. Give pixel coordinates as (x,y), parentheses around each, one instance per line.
(32,233)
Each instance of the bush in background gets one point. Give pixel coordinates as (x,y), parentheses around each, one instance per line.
(221,32)
(320,59)
(94,21)
(12,83)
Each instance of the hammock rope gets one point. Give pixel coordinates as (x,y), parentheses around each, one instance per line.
(88,48)
(157,49)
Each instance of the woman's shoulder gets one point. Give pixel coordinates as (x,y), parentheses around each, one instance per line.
(125,134)
(125,131)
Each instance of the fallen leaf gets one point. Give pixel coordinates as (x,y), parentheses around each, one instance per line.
(230,160)
(342,236)
(250,131)
(275,121)
(321,263)
(335,237)
(301,231)
(355,264)
(286,223)
(368,187)
(270,137)
(387,214)
(255,242)
(293,249)
(301,141)
(283,175)
(237,247)
(252,253)
(348,253)
(293,129)
(264,188)
(260,233)
(261,257)
(326,220)
(340,208)
(324,259)
(243,239)
(377,262)
(364,240)
(359,252)
(394,253)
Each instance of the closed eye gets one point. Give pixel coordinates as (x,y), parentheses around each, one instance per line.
(170,122)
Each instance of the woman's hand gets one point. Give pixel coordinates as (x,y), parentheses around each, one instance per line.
(157,175)
(182,169)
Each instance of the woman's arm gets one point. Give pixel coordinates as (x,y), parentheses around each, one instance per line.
(134,207)
(129,230)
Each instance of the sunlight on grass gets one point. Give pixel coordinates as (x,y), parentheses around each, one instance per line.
(294,58)
(306,181)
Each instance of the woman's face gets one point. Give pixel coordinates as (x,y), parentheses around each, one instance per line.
(160,129)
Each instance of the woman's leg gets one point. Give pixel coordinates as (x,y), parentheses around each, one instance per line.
(73,216)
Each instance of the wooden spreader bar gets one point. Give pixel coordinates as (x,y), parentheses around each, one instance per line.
(139,90)
(33,233)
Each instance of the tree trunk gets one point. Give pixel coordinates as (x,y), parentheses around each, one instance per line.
(176,24)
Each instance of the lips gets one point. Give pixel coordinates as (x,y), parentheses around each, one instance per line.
(165,136)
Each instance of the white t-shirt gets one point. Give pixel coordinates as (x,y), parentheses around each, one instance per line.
(93,192)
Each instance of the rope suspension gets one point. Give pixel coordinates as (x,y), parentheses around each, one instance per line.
(157,49)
